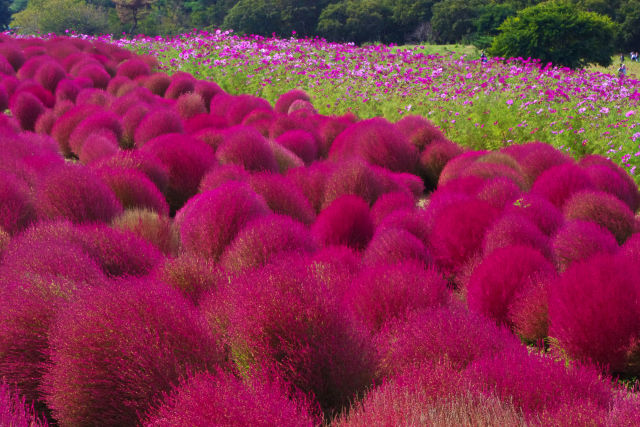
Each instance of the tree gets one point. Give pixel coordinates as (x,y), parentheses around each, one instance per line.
(454,20)
(629,17)
(557,32)
(408,15)
(489,18)
(254,17)
(132,11)
(5,14)
(355,21)
(56,16)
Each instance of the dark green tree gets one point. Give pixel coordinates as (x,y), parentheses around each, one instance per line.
(558,32)
(629,18)
(408,15)
(489,19)
(455,20)
(5,14)
(356,21)
(254,17)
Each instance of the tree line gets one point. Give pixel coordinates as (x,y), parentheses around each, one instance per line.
(476,22)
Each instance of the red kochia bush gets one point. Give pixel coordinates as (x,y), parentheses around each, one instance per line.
(246,147)
(593,309)
(420,131)
(285,100)
(181,83)
(133,189)
(539,211)
(75,193)
(283,196)
(5,67)
(378,142)
(241,106)
(580,240)
(13,53)
(559,183)
(604,209)
(15,412)
(26,107)
(96,73)
(458,232)
(190,104)
(67,90)
(515,229)
(157,122)
(207,90)
(499,192)
(115,350)
(300,142)
(67,123)
(353,177)
(94,96)
(49,75)
(390,245)
(220,398)
(220,174)
(283,317)
(146,163)
(211,220)
(385,292)
(537,157)
(265,239)
(97,146)
(312,181)
(536,383)
(133,68)
(506,276)
(390,202)
(150,226)
(346,221)
(101,122)
(204,121)
(330,128)
(625,188)
(192,275)
(187,160)
(435,335)
(157,83)
(16,207)
(434,158)
(458,164)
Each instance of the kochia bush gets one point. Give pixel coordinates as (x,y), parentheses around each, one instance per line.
(580,240)
(346,221)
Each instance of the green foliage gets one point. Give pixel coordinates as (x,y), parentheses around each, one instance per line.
(408,15)
(629,16)
(557,32)
(356,21)
(18,6)
(131,12)
(455,20)
(5,15)
(253,17)
(55,16)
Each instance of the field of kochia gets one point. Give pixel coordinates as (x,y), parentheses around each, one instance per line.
(318,234)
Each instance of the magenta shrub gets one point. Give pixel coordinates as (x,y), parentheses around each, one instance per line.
(130,122)
(94,96)
(94,72)
(457,165)
(284,318)
(300,142)
(346,221)
(120,82)
(26,107)
(68,122)
(192,275)
(101,122)
(265,239)
(14,411)
(17,210)
(187,160)
(592,310)
(134,189)
(6,69)
(204,121)
(115,350)
(329,128)
(603,209)
(420,131)
(220,398)
(535,383)
(502,277)
(538,210)
(389,203)
(207,90)
(133,68)
(13,53)
(221,174)
(392,291)
(378,142)
(181,83)
(246,147)
(146,163)
(439,334)
(434,158)
(66,90)
(537,157)
(285,100)
(390,245)
(260,120)
(49,74)
(157,122)
(97,146)
(559,183)
(579,240)
(4,99)
(499,192)
(242,105)
(74,192)
(627,190)
(150,226)
(353,177)
(283,196)
(312,180)
(209,222)
(515,229)
(190,104)
(411,220)
(458,232)
(157,83)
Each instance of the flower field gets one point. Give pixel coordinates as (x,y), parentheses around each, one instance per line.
(176,253)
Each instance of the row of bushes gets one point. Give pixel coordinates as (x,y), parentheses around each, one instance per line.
(171,254)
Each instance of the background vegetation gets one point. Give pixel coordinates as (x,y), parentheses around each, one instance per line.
(474,22)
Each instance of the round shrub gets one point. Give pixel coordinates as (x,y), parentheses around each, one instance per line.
(66,90)
(607,179)
(94,96)
(435,335)
(389,203)
(181,83)
(593,309)
(15,412)
(502,276)
(285,100)
(222,399)
(133,68)
(457,165)
(537,157)
(434,158)
(458,232)
(16,206)
(312,180)
(354,177)
(392,291)
(207,90)
(559,183)
(330,128)
(301,143)
(101,122)
(285,158)
(220,174)
(26,107)
(115,350)
(187,160)
(514,229)
(246,147)
(97,146)
(204,121)
(13,53)
(146,163)
(209,222)
(68,122)
(75,193)
(97,74)
(411,220)
(157,83)
(538,210)
(390,245)
(283,196)
(49,74)
(420,131)
(194,276)
(378,142)
(580,240)
(157,122)
(133,189)
(260,120)
(604,209)
(499,192)
(190,104)
(151,226)
(346,221)
(263,240)
(241,106)
(535,383)
(491,171)
(284,318)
